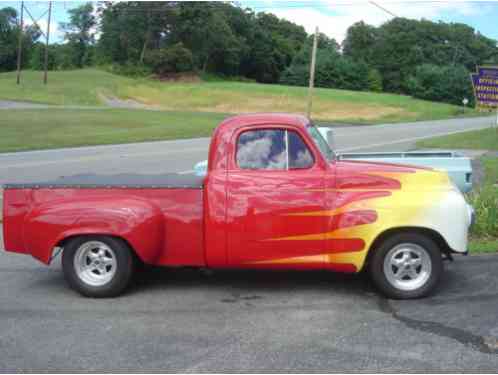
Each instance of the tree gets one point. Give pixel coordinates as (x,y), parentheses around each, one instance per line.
(8,38)
(359,42)
(130,29)
(332,70)
(9,34)
(448,84)
(80,34)
(399,46)
(223,38)
(205,30)
(174,59)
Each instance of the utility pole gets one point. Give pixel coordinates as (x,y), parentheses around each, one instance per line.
(19,46)
(312,72)
(46,44)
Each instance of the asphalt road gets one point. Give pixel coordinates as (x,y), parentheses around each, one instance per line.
(191,321)
(181,155)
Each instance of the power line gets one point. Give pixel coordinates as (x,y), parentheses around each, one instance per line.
(382,8)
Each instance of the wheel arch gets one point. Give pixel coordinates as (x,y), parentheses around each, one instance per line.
(64,241)
(430,233)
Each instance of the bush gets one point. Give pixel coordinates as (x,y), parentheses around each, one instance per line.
(37,60)
(296,75)
(129,70)
(174,59)
(448,84)
(374,80)
(331,71)
(210,77)
(485,203)
(59,57)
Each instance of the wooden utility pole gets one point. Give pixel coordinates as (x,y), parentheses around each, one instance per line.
(312,73)
(19,45)
(46,44)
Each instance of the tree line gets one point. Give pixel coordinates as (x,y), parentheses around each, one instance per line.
(425,59)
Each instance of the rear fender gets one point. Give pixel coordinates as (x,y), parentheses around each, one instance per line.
(137,221)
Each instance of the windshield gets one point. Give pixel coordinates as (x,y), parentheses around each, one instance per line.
(320,142)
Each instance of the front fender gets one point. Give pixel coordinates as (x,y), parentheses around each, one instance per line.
(135,220)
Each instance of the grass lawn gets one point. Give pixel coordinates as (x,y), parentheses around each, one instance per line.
(486,139)
(86,87)
(478,246)
(53,128)
(484,233)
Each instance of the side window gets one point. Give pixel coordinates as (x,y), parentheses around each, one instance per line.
(300,156)
(272,149)
(262,149)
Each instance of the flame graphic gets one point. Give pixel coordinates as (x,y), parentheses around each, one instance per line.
(364,207)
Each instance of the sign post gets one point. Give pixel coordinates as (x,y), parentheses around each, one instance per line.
(465,101)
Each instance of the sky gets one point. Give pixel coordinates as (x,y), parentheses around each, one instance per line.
(332,17)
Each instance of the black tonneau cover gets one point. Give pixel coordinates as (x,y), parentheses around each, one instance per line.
(123,181)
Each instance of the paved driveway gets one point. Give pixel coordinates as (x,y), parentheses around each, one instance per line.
(187,320)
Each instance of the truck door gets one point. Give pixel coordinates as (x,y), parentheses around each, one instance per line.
(275,188)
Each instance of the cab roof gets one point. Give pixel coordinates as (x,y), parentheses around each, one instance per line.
(263,118)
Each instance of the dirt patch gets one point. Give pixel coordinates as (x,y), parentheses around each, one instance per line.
(248,105)
(114,102)
(348,111)
(320,110)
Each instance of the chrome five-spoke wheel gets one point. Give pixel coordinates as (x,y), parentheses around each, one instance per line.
(407,266)
(95,263)
(97,266)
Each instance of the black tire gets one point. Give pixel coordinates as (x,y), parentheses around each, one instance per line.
(121,275)
(388,248)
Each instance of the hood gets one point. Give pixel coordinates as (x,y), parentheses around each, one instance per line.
(364,175)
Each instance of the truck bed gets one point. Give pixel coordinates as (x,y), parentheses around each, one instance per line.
(161,216)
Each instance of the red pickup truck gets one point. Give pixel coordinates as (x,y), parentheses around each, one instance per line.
(275,196)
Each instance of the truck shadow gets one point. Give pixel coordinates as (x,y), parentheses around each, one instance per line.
(262,281)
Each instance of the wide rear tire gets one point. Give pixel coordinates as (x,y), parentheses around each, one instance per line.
(406,266)
(97,266)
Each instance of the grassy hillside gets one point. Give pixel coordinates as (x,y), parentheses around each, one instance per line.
(71,87)
(86,87)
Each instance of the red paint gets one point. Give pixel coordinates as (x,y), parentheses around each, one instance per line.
(240,216)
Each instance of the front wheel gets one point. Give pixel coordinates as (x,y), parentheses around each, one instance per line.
(406,265)
(97,266)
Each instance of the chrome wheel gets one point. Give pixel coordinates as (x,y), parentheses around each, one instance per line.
(95,263)
(407,266)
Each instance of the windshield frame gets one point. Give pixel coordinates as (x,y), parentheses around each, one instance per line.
(321,144)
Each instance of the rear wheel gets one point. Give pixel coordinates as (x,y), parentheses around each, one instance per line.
(406,265)
(97,266)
